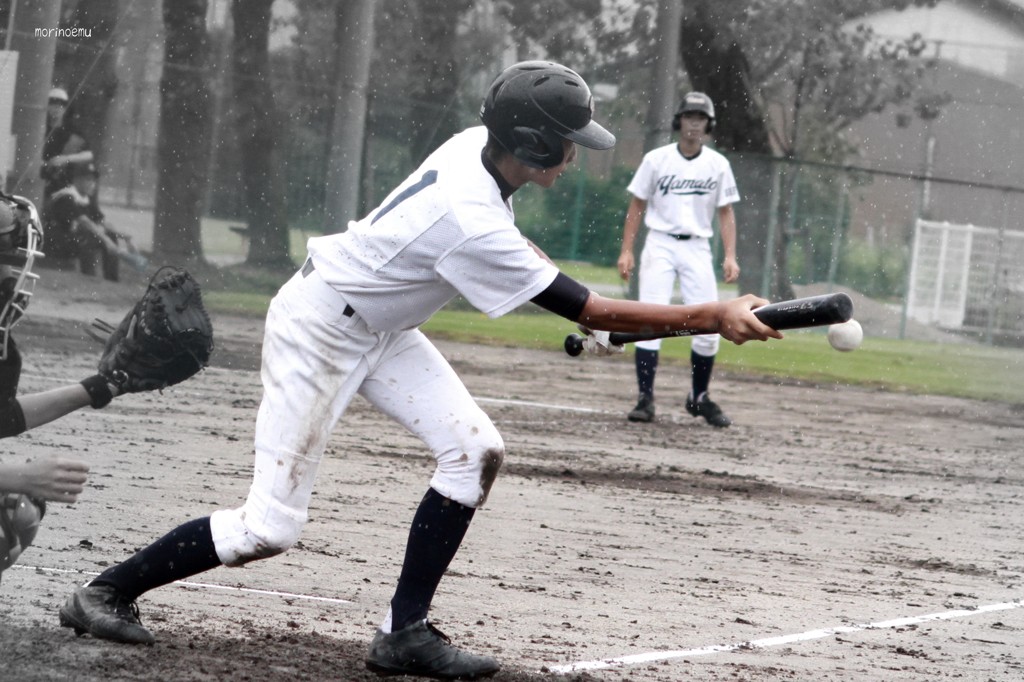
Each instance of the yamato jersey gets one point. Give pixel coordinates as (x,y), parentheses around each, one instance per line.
(683,194)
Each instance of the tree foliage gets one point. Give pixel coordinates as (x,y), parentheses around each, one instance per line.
(790,77)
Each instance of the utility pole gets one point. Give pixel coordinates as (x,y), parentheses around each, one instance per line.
(663,74)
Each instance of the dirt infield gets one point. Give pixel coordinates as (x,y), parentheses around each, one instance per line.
(832,533)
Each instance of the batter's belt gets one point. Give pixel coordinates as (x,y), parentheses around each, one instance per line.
(326,295)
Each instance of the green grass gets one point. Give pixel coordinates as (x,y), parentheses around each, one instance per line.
(590,273)
(967,371)
(237,302)
(970,371)
(219,241)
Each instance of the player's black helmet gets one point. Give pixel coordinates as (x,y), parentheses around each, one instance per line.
(695,101)
(21,238)
(532,106)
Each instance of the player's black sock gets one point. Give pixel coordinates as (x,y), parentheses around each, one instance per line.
(646,368)
(700,368)
(185,551)
(437,531)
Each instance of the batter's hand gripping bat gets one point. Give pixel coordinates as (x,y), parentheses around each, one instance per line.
(812,311)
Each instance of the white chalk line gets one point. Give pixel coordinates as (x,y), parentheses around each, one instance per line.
(780,640)
(207,586)
(546,406)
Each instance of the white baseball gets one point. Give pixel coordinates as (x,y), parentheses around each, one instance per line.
(845,336)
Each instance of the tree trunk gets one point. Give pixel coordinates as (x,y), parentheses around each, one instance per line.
(33,82)
(257,125)
(354,38)
(717,66)
(183,145)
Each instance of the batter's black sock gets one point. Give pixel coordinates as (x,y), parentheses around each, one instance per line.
(437,531)
(185,551)
(700,369)
(646,368)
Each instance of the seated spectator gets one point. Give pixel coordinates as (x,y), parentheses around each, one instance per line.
(77,234)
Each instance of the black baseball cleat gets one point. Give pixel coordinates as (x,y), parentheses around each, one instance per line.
(421,649)
(644,410)
(103,612)
(704,407)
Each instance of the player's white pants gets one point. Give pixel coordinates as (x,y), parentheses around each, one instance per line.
(315,360)
(664,260)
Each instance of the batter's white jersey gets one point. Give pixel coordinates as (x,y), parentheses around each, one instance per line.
(444,231)
(683,194)
(346,326)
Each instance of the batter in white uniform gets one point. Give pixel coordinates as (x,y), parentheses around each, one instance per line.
(346,324)
(677,191)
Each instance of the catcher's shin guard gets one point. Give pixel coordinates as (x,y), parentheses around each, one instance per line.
(19,522)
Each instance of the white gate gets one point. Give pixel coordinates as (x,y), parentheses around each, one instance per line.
(967,278)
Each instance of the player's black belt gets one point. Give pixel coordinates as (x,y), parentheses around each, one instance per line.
(680,237)
(307,268)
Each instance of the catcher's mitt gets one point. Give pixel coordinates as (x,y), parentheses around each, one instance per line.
(164,339)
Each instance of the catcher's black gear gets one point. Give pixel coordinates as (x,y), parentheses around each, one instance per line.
(21,238)
(164,339)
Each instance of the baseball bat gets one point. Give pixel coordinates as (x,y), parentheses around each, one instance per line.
(811,311)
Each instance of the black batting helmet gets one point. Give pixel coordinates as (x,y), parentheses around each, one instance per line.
(695,101)
(532,106)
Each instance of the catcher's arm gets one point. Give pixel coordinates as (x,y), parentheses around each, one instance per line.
(46,406)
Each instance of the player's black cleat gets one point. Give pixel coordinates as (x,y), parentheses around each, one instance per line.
(704,407)
(421,649)
(644,410)
(103,612)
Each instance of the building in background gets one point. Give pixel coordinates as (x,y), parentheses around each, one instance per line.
(957,215)
(977,139)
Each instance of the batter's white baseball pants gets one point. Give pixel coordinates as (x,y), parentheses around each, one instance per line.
(315,359)
(663,261)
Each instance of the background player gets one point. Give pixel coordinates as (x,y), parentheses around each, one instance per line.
(347,323)
(677,190)
(63,146)
(25,486)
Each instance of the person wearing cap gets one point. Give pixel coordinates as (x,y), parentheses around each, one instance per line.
(678,191)
(347,323)
(63,146)
(76,229)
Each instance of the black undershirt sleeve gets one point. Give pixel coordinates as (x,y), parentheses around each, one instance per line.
(565,297)
(12,419)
